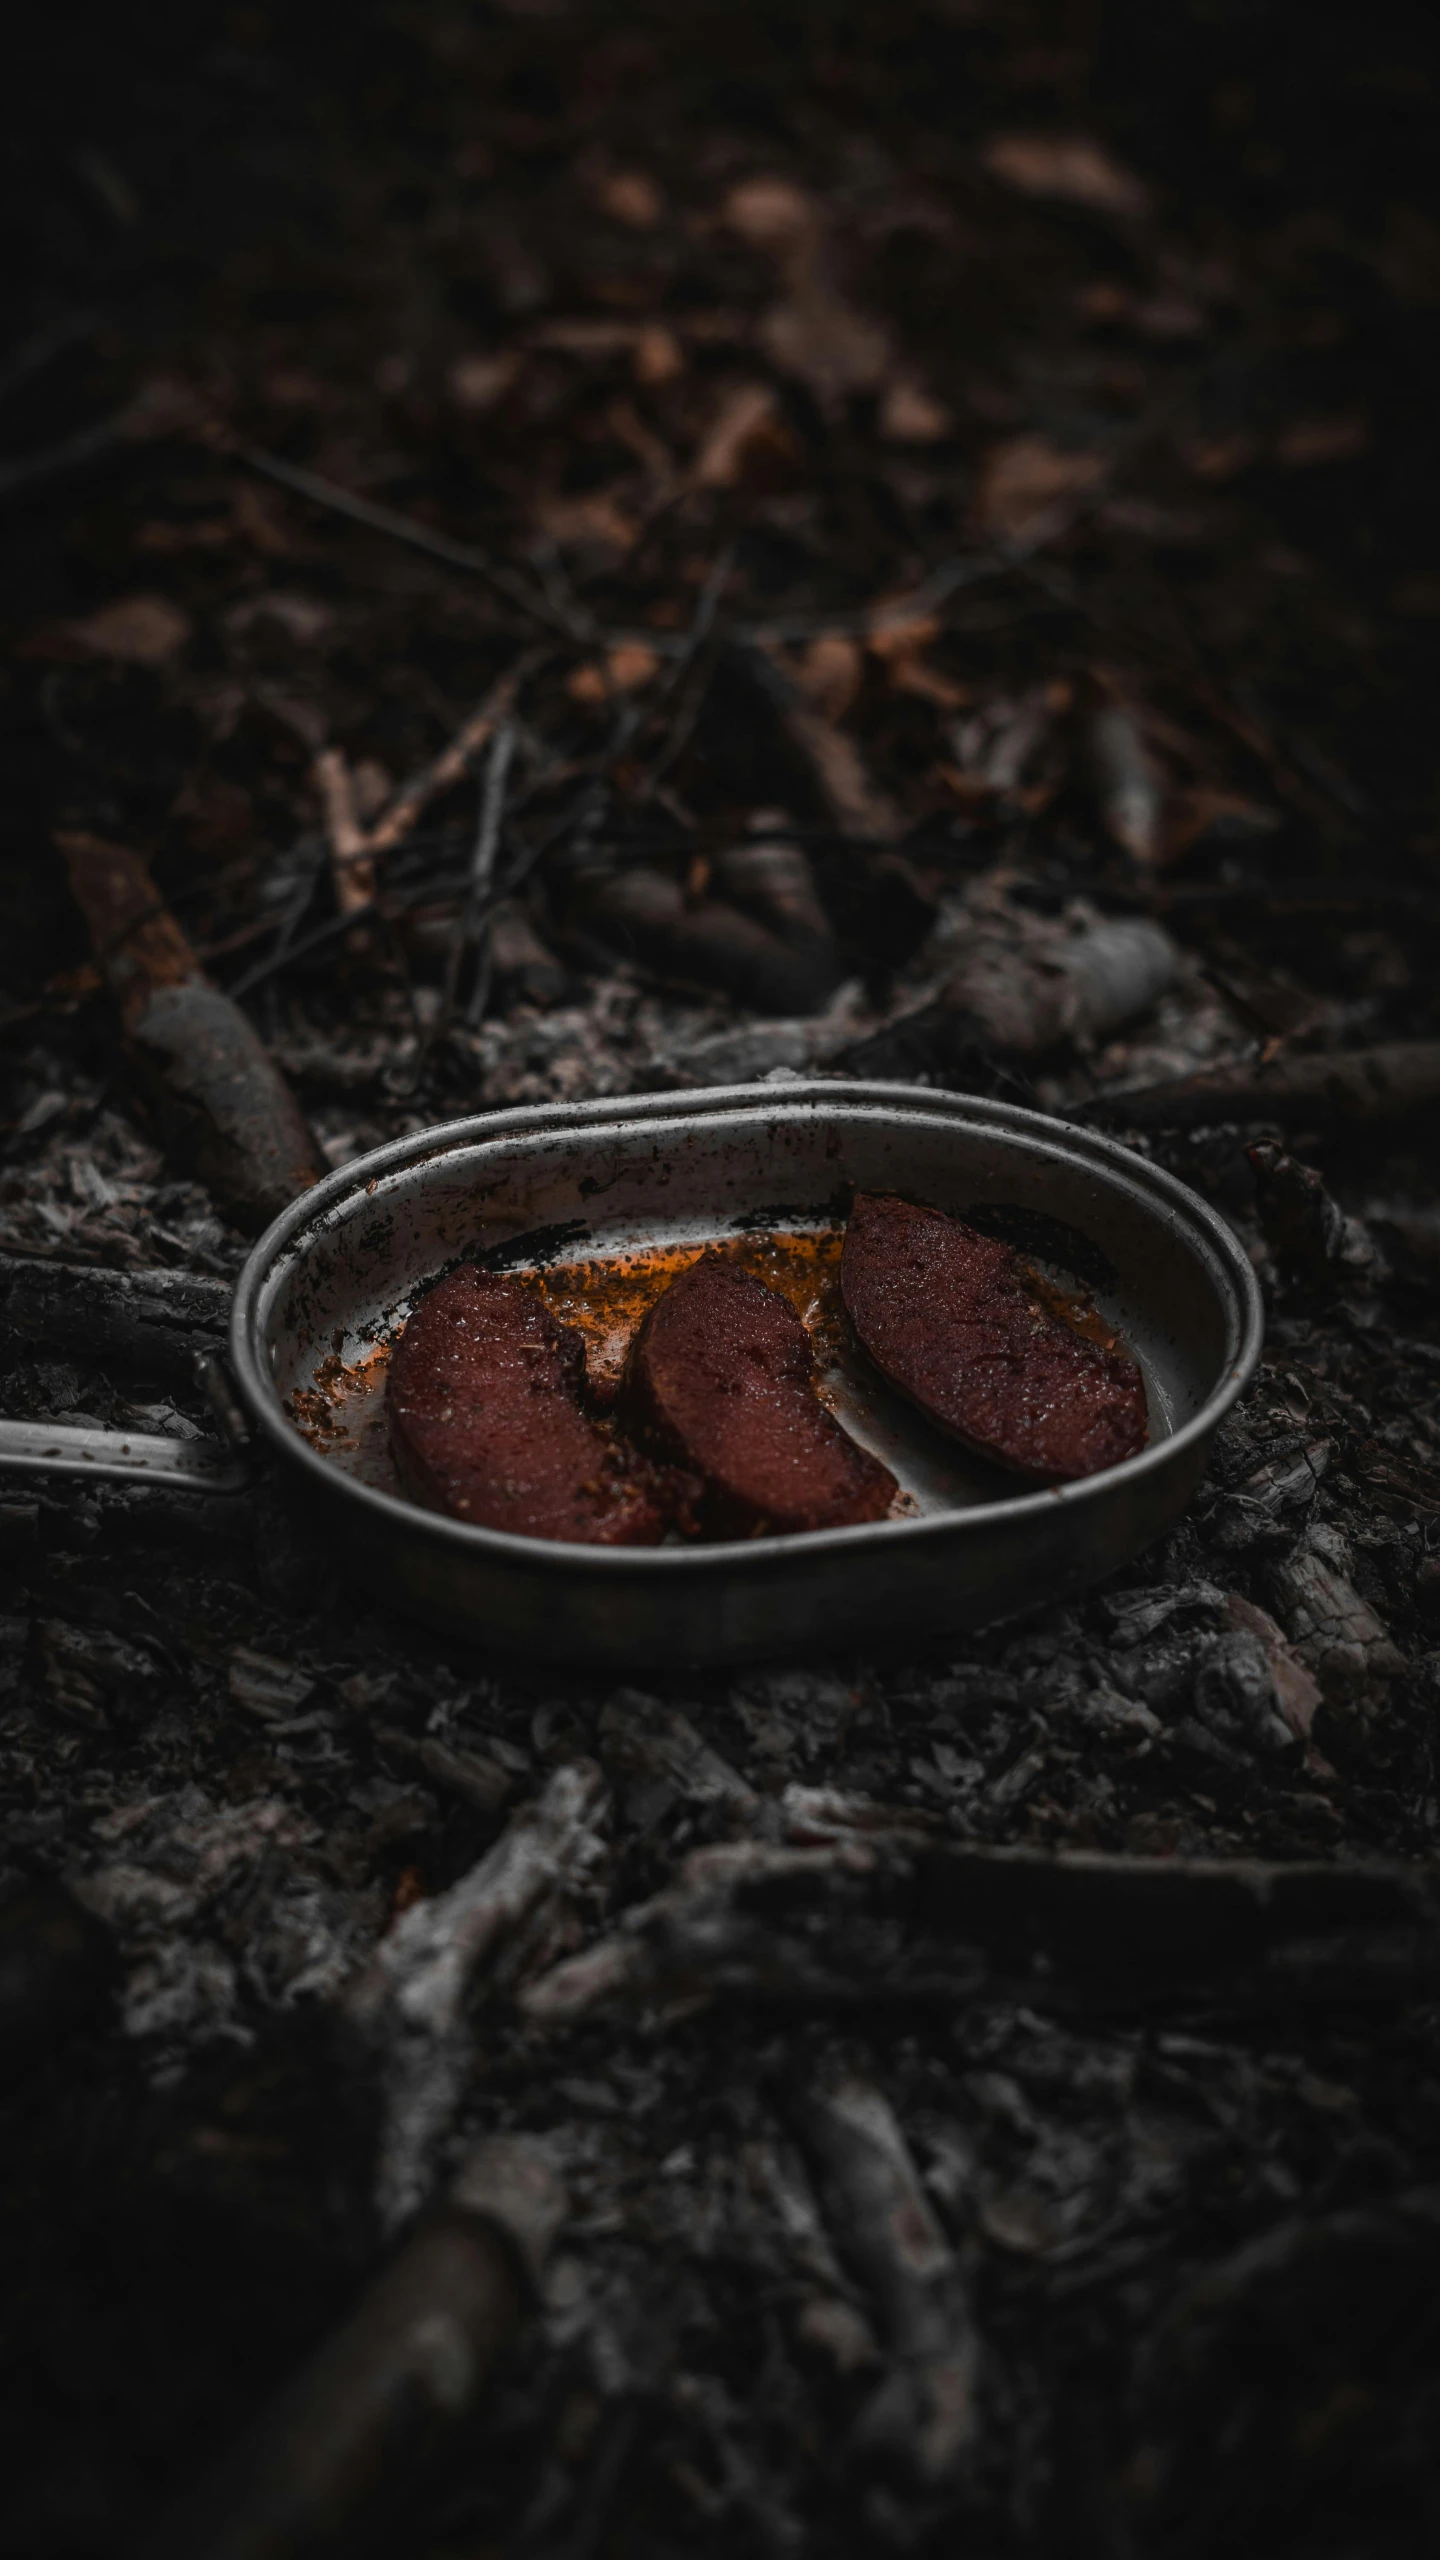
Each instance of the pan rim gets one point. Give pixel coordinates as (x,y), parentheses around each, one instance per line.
(320,1206)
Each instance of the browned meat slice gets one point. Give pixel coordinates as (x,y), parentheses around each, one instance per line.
(486,1412)
(721,1380)
(958,1325)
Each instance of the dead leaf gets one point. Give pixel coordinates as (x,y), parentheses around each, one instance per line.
(477,383)
(770,213)
(820,339)
(136,631)
(659,356)
(578,523)
(628,667)
(1026,480)
(629,196)
(1219,458)
(748,427)
(1312,442)
(829,674)
(901,647)
(909,414)
(303,619)
(597,338)
(1066,169)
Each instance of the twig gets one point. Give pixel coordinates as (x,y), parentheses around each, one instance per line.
(924,2411)
(411,2004)
(687,678)
(576,626)
(352,866)
(475,928)
(453,761)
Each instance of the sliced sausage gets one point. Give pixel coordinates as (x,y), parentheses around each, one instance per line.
(721,1381)
(957,1323)
(487,1420)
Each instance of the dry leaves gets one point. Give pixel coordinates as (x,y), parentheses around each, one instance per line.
(477,383)
(628,667)
(1027,481)
(829,673)
(136,631)
(631,197)
(909,414)
(597,523)
(746,432)
(1067,169)
(812,332)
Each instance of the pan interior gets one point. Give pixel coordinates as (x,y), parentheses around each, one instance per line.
(603,1212)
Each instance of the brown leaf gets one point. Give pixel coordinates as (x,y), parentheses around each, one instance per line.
(901,647)
(829,674)
(1026,480)
(658,355)
(770,213)
(820,339)
(631,197)
(628,666)
(747,428)
(909,414)
(1311,442)
(595,522)
(477,383)
(136,631)
(1066,169)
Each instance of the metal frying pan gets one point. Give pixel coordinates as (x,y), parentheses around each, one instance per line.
(328,1287)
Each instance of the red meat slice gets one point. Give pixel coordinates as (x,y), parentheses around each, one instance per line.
(487,1420)
(721,1380)
(957,1324)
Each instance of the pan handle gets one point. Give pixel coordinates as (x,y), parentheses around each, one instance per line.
(132,1457)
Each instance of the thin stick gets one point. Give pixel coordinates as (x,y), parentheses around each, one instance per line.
(401,528)
(352,867)
(452,762)
(475,924)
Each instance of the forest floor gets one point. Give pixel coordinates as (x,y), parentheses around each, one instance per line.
(902,508)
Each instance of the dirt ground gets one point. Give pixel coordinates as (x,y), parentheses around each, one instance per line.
(584,550)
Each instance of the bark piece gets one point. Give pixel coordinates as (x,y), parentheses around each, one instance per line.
(1310,1089)
(796,1927)
(338,2459)
(1297,1691)
(223,1108)
(148,1319)
(1335,1633)
(487,1420)
(710,943)
(721,1380)
(953,1321)
(1314,1243)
